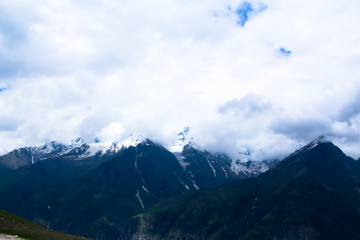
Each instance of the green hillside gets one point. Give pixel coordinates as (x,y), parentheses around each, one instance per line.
(14,225)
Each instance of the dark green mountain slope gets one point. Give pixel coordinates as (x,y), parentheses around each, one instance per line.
(91,193)
(312,194)
(100,203)
(29,189)
(14,225)
(93,197)
(3,169)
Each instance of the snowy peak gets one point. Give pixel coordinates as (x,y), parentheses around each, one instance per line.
(253,168)
(50,149)
(114,147)
(240,168)
(132,140)
(311,145)
(184,138)
(78,142)
(81,150)
(193,160)
(78,149)
(30,155)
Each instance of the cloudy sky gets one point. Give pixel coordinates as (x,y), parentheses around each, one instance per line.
(264,76)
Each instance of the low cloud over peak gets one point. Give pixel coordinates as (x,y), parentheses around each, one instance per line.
(266,77)
(249,105)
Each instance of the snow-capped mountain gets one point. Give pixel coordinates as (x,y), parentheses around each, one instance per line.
(30,155)
(193,159)
(50,149)
(108,188)
(311,194)
(78,149)
(109,182)
(130,174)
(227,166)
(183,138)
(311,145)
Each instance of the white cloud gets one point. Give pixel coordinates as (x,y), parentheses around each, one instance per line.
(249,105)
(108,69)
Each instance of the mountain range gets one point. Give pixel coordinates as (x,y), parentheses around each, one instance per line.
(312,194)
(138,189)
(93,190)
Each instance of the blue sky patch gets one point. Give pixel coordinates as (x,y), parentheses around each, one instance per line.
(284,52)
(12,33)
(8,67)
(243,12)
(2,89)
(246,10)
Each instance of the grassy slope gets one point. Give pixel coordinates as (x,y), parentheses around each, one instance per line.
(14,225)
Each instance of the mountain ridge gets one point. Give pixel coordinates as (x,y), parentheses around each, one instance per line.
(78,149)
(109,188)
(311,194)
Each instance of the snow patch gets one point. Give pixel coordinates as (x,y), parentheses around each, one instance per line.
(311,145)
(107,147)
(181,181)
(224,172)
(195,185)
(211,167)
(136,166)
(78,142)
(132,140)
(183,138)
(138,197)
(250,168)
(181,159)
(143,187)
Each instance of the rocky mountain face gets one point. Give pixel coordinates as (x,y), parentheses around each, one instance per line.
(94,189)
(207,170)
(17,158)
(185,151)
(312,194)
(29,155)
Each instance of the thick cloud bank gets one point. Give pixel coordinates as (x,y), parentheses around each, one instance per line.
(247,76)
